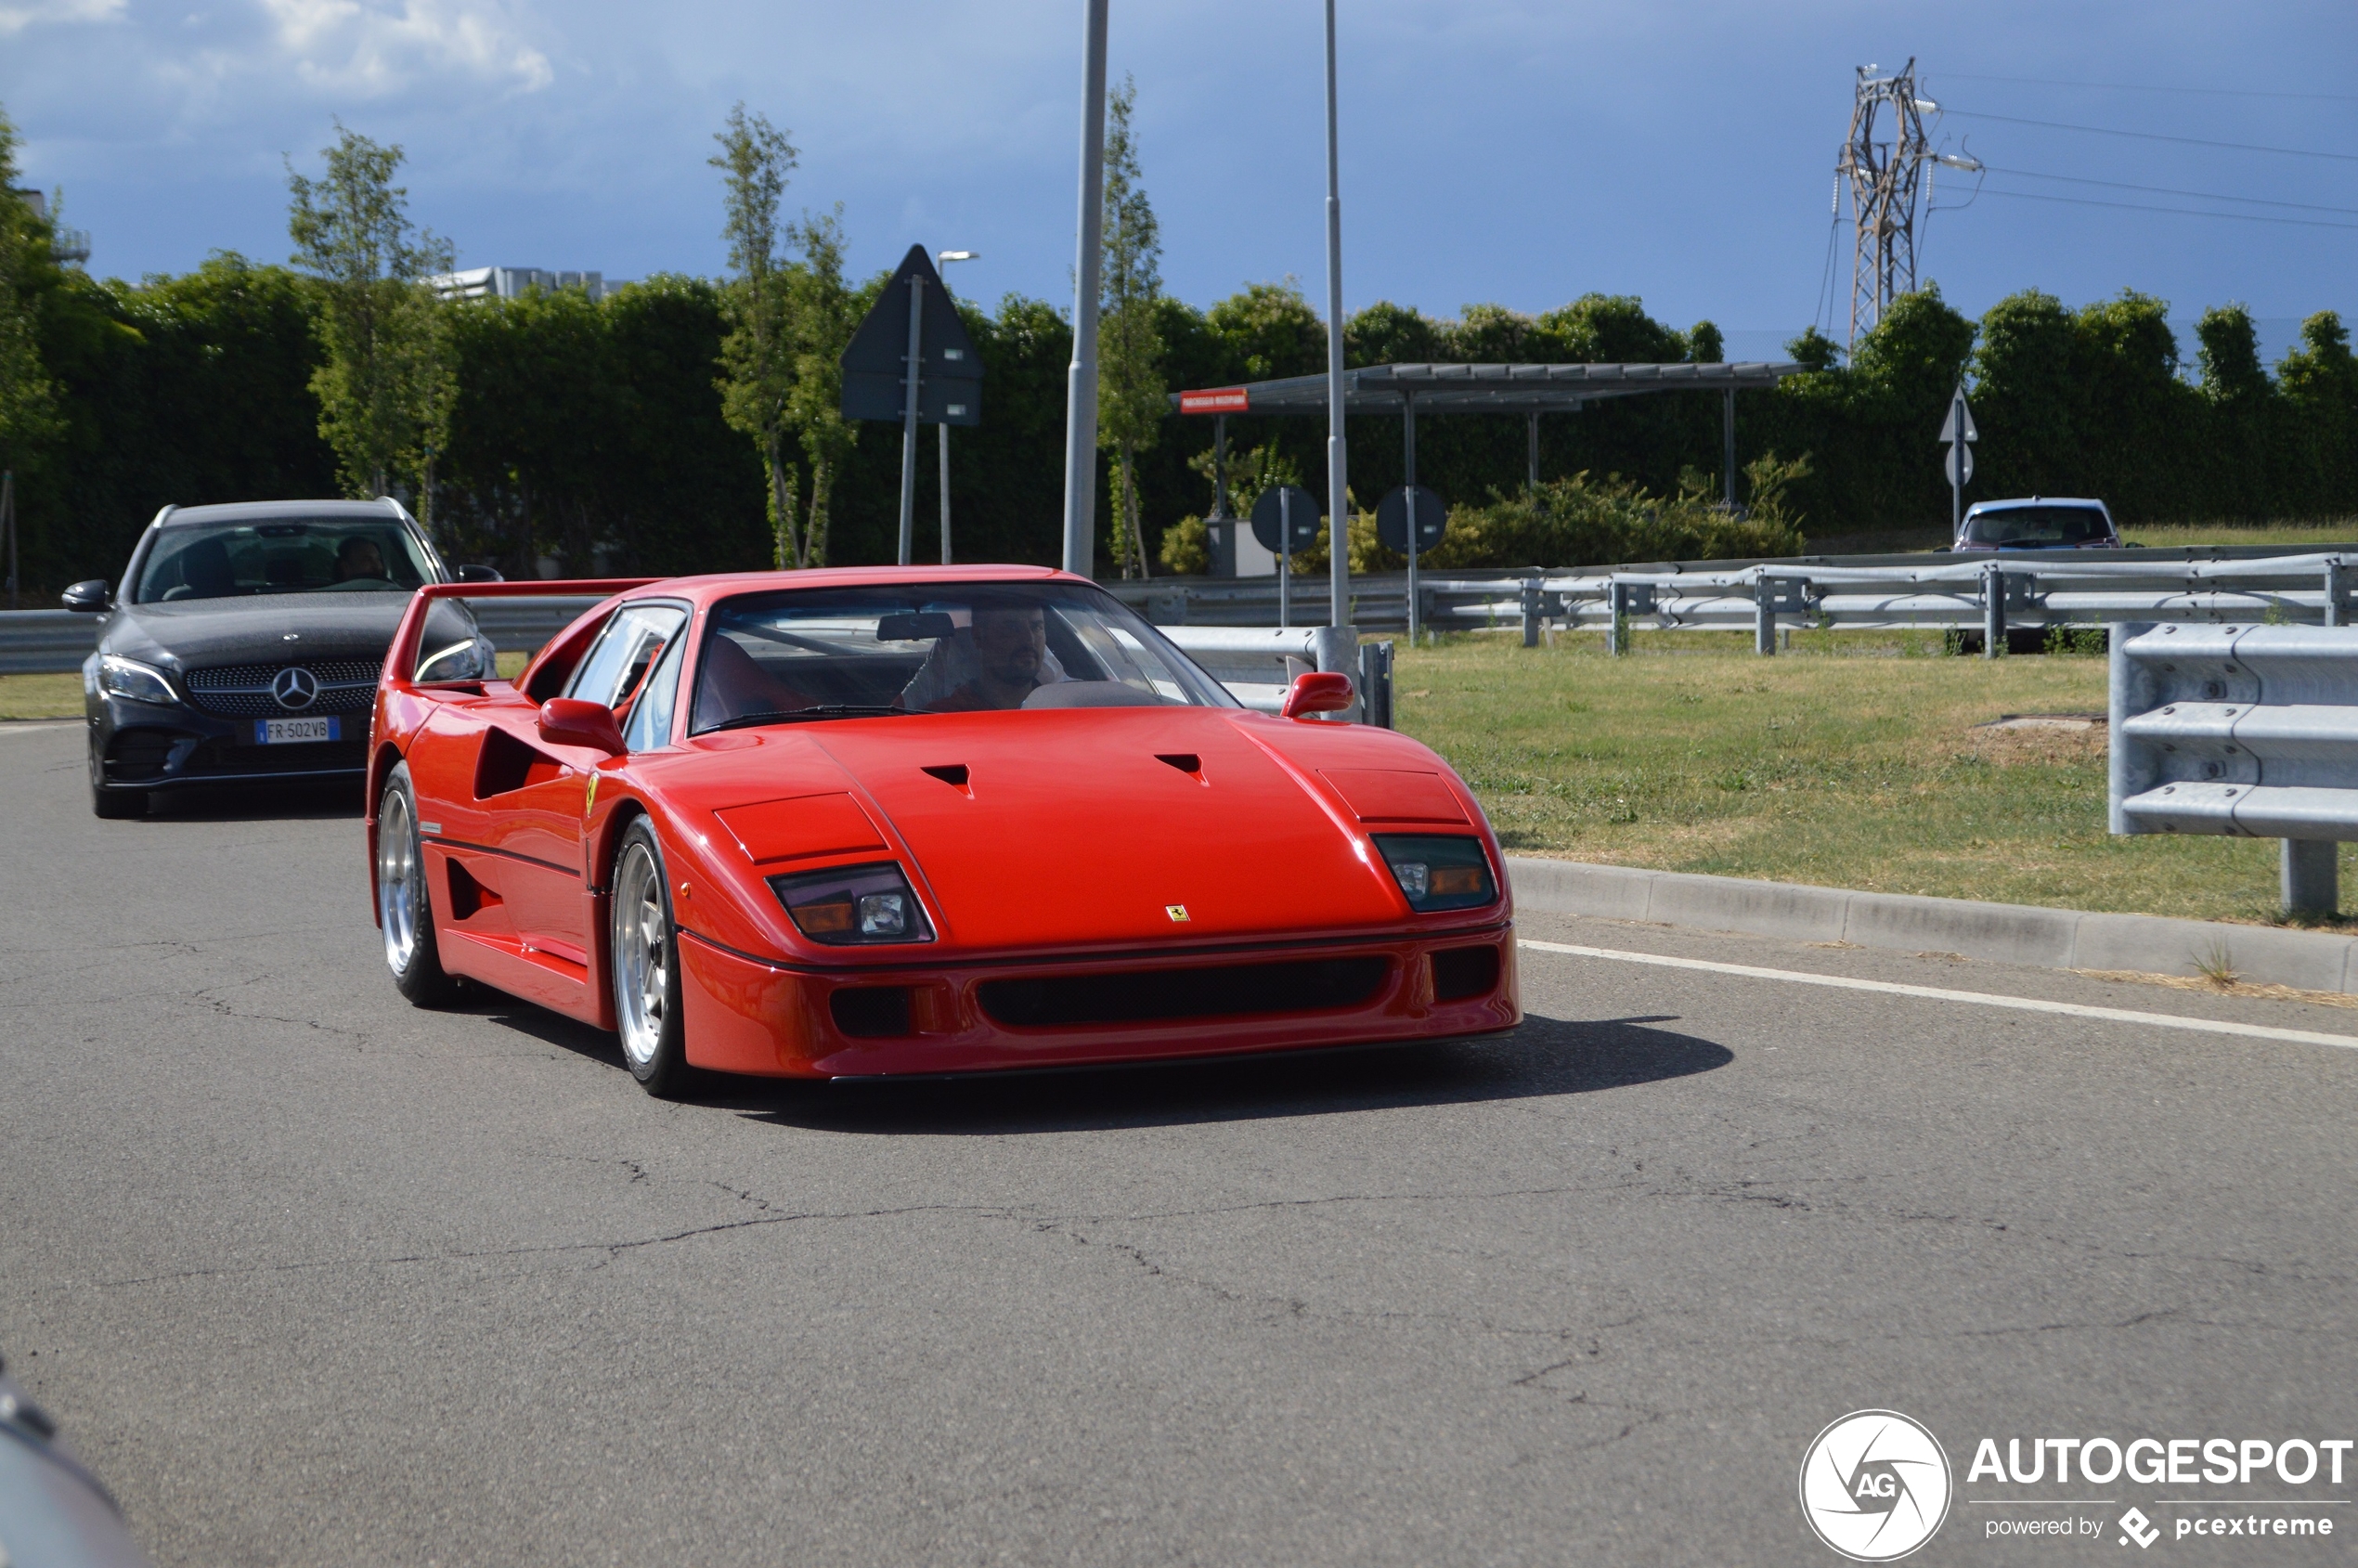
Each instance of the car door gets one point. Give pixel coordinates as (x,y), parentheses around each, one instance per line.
(537,792)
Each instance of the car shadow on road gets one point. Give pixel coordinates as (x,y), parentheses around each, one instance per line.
(1545,1056)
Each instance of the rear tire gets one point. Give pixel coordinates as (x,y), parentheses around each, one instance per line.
(645,946)
(405,905)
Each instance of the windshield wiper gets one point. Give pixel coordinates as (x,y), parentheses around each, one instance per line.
(821,710)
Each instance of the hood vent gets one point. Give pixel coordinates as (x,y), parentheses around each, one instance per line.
(950,773)
(1187,763)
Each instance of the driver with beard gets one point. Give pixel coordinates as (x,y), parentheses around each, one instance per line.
(1010,643)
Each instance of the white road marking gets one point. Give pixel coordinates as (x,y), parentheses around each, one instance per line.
(1936,993)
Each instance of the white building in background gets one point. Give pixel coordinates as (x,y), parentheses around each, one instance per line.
(507,282)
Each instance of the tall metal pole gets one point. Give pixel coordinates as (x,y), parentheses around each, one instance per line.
(1728,459)
(1957,462)
(944,428)
(8,516)
(1409,461)
(1080,385)
(909,419)
(943,259)
(1338,463)
(1284,558)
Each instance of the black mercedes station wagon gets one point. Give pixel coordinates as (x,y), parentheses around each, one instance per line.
(245,642)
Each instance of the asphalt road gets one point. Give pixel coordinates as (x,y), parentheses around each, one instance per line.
(312,1278)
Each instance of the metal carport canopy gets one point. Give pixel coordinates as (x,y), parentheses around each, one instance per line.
(1483,389)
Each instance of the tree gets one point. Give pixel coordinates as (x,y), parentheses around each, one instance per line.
(759,354)
(386,385)
(820,318)
(1131,399)
(27,399)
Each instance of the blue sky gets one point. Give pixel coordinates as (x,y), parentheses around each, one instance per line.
(1508,150)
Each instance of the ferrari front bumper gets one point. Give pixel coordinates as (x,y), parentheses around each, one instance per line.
(747,1014)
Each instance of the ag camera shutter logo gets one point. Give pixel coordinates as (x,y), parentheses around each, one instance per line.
(1875,1485)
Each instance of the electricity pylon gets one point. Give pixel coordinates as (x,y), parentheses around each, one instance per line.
(1883,176)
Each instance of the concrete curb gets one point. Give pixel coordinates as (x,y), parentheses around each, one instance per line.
(2055,939)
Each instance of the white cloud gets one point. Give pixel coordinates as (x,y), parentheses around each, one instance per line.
(15,17)
(354,46)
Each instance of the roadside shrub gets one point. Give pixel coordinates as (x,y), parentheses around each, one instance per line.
(1581,521)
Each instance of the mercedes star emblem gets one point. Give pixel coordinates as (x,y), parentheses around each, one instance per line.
(295,687)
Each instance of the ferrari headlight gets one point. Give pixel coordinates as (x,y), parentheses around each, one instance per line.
(141,683)
(850,905)
(1439,872)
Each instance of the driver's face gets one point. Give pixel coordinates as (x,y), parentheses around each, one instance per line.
(1010,643)
(361,558)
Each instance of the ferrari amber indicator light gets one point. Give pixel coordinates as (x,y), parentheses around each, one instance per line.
(1439,872)
(830,919)
(851,905)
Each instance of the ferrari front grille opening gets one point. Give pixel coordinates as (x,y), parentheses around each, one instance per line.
(1462,972)
(871,1012)
(1156,995)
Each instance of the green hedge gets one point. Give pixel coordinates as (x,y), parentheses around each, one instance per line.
(592,431)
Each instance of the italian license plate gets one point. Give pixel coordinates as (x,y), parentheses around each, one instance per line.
(284,731)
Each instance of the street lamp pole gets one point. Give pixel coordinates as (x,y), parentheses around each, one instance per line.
(944,259)
(1081,383)
(1338,464)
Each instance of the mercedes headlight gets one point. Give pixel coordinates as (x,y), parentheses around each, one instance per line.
(853,905)
(1439,872)
(473,659)
(120,677)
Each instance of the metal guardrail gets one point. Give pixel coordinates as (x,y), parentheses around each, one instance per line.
(1988,590)
(46,641)
(1996,594)
(1257,664)
(2245,730)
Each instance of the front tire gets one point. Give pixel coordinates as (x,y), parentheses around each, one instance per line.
(404,905)
(645,945)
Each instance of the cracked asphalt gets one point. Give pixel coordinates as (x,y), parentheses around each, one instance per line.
(312,1278)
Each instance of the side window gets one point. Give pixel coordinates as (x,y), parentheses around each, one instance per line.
(617,661)
(650,725)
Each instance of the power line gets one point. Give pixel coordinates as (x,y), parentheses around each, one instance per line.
(2167,190)
(2154,136)
(2138,88)
(2182,212)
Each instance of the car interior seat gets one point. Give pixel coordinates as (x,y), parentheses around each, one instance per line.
(733,684)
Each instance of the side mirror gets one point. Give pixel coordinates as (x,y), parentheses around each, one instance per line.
(479,575)
(89,597)
(1320,690)
(570,721)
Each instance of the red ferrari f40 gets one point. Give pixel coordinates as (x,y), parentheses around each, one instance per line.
(933,820)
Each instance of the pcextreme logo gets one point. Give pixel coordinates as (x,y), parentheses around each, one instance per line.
(1875,1485)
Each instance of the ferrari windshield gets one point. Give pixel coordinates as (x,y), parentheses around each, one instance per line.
(291,556)
(2037,528)
(812,653)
